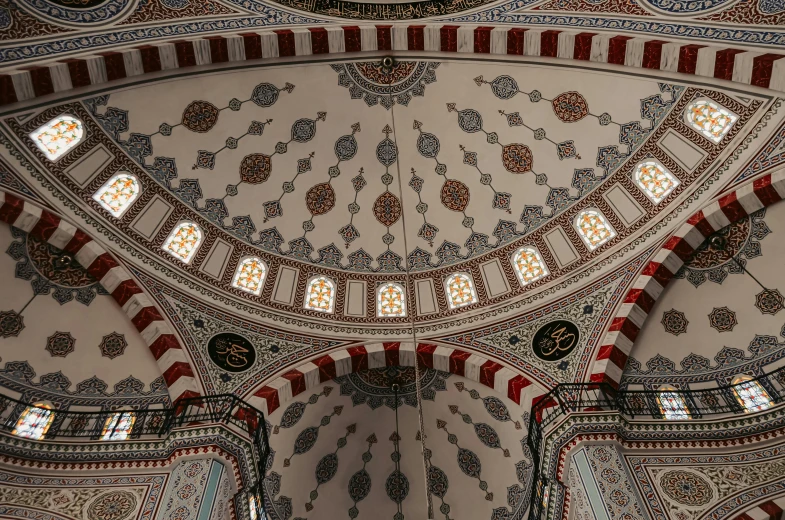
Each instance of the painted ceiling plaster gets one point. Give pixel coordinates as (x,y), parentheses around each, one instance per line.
(709,326)
(341,443)
(73,345)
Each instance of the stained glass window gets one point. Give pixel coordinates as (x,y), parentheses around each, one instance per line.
(320,295)
(250,275)
(34,421)
(256,509)
(118,193)
(593,228)
(460,290)
(58,136)
(751,394)
(183,241)
(528,265)
(671,404)
(710,119)
(390,301)
(655,181)
(118,427)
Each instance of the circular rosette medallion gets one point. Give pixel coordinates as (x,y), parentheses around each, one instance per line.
(115,505)
(320,199)
(555,340)
(455,195)
(200,116)
(687,488)
(517,158)
(570,107)
(369,81)
(231,352)
(387,209)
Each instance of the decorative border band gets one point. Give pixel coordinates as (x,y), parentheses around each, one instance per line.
(746,67)
(156,332)
(769,510)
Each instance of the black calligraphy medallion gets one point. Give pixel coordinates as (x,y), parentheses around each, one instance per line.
(555,340)
(231,352)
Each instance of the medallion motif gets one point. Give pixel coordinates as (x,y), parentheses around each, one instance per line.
(231,352)
(376,85)
(555,340)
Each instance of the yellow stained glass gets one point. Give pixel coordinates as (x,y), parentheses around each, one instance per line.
(671,404)
(655,181)
(710,119)
(320,295)
(183,241)
(593,228)
(117,195)
(250,275)
(34,421)
(118,427)
(528,265)
(390,301)
(58,136)
(751,394)
(460,290)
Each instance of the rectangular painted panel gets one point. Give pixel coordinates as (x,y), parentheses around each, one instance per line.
(623,204)
(560,246)
(355,298)
(216,259)
(681,149)
(426,299)
(85,169)
(494,278)
(149,221)
(285,285)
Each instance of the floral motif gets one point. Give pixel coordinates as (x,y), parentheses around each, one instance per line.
(60,344)
(58,136)
(655,181)
(250,275)
(373,386)
(255,168)
(594,228)
(769,301)
(390,301)
(376,85)
(117,195)
(455,195)
(115,505)
(686,488)
(320,295)
(722,319)
(113,345)
(529,265)
(11,324)
(460,290)
(675,322)
(570,107)
(517,158)
(200,116)
(710,119)
(320,199)
(387,209)
(294,412)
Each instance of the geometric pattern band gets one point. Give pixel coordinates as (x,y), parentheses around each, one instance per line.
(155,331)
(733,64)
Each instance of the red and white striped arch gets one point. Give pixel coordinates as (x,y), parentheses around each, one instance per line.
(769,510)
(618,342)
(155,331)
(734,64)
(475,367)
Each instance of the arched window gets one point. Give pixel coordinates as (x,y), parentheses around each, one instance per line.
(528,265)
(751,394)
(655,181)
(250,275)
(183,241)
(671,403)
(118,193)
(118,426)
(58,136)
(34,421)
(460,290)
(390,301)
(594,228)
(710,119)
(320,294)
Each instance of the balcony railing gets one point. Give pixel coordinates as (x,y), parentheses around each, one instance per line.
(668,404)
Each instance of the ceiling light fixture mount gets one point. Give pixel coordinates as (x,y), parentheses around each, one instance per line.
(388,62)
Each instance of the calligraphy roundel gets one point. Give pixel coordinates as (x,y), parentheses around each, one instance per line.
(555,340)
(231,352)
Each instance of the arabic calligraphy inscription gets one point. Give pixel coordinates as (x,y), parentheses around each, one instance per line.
(231,352)
(555,340)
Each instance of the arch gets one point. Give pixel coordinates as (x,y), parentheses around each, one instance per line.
(320,294)
(654,180)
(15,85)
(183,241)
(616,346)
(118,193)
(593,228)
(155,331)
(710,119)
(58,136)
(309,374)
(528,264)
(460,291)
(390,300)
(750,394)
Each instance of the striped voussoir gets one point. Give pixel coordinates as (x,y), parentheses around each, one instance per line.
(769,510)
(640,300)
(155,331)
(472,366)
(740,65)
